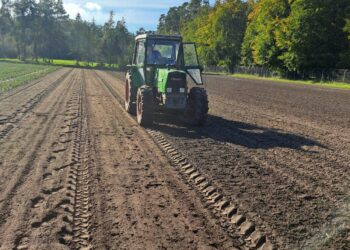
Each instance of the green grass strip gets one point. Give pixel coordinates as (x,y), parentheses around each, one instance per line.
(339,85)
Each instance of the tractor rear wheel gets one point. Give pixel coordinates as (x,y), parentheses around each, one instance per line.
(145,106)
(130,105)
(197,106)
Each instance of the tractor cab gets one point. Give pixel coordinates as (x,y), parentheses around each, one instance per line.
(160,67)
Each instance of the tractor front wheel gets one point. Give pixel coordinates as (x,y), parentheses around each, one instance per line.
(130,105)
(145,106)
(197,106)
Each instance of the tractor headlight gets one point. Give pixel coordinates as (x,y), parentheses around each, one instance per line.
(169,90)
(182,90)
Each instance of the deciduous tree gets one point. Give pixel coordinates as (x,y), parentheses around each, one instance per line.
(259,46)
(312,36)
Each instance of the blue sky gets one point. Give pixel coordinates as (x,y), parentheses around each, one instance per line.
(138,13)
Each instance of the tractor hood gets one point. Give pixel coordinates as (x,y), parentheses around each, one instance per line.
(165,76)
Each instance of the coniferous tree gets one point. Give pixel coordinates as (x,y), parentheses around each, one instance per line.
(26,13)
(109,42)
(6,30)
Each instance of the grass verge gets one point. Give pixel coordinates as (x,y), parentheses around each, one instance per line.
(339,85)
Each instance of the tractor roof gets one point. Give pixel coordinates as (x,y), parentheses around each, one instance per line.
(160,37)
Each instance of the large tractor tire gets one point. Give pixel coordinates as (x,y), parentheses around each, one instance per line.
(197,106)
(145,106)
(130,105)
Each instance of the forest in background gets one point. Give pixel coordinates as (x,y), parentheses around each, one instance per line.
(32,29)
(282,35)
(279,35)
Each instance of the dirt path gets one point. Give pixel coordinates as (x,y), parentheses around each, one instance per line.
(77,172)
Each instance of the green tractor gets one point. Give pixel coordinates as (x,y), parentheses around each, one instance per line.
(157,80)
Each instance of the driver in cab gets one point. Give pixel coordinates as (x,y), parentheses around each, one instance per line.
(153,56)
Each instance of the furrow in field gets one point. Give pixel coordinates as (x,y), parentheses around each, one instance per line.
(39,177)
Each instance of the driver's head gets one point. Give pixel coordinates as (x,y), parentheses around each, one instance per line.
(149,49)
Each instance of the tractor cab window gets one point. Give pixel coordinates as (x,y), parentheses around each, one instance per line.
(190,55)
(140,53)
(192,63)
(162,52)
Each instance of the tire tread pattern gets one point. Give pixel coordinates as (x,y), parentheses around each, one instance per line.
(198,106)
(145,118)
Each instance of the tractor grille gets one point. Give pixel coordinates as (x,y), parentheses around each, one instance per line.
(176,81)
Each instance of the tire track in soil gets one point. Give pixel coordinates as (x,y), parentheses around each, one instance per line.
(226,209)
(80,180)
(72,175)
(71,204)
(45,207)
(43,131)
(233,219)
(22,150)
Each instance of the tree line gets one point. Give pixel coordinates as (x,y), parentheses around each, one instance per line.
(31,29)
(281,35)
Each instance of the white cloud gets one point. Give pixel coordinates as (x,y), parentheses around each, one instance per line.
(73,9)
(93,6)
(88,11)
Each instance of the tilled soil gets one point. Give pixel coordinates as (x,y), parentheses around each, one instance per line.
(77,172)
(281,152)
(269,170)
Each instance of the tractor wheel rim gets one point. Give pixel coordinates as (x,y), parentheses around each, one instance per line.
(127,93)
(139,109)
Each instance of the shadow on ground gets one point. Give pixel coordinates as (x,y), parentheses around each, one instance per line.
(235,132)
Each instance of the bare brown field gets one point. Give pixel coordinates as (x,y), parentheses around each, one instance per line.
(271,169)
